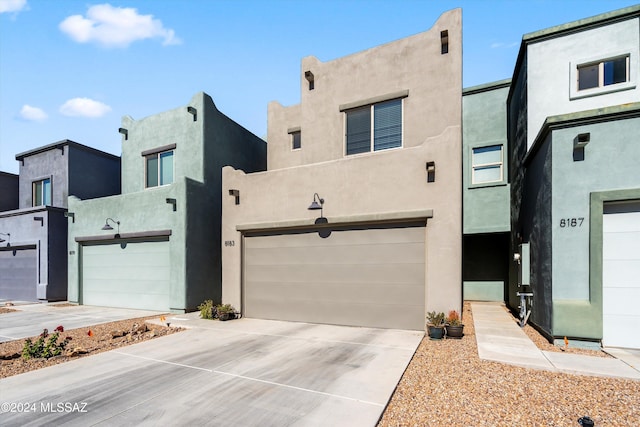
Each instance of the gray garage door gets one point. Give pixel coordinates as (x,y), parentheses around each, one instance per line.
(620,275)
(18,274)
(370,277)
(126,274)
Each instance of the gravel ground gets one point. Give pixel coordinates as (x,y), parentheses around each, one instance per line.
(446,384)
(131,331)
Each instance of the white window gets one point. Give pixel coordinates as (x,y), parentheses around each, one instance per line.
(159,168)
(41,192)
(374,127)
(487,164)
(603,73)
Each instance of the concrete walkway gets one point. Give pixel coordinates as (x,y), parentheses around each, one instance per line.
(501,339)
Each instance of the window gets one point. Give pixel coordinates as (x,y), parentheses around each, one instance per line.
(159,168)
(41,192)
(603,73)
(487,164)
(374,127)
(296,140)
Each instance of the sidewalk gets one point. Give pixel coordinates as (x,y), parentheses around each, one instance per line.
(500,339)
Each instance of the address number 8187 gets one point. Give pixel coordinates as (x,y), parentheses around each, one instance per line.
(571,222)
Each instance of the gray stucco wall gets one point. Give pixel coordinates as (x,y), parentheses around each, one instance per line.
(8,191)
(93,174)
(51,164)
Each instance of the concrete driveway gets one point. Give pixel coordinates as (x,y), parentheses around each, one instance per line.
(30,319)
(245,372)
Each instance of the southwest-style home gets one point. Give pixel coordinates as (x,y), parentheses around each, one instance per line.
(33,232)
(157,245)
(573,123)
(358,218)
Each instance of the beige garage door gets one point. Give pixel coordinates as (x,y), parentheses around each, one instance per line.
(370,277)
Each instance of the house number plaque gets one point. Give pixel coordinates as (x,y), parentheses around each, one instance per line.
(571,222)
(229,242)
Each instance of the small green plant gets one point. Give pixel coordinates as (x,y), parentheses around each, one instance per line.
(435,319)
(46,346)
(225,308)
(207,310)
(453,318)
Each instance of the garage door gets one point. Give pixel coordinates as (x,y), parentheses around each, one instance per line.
(620,275)
(370,277)
(18,274)
(130,274)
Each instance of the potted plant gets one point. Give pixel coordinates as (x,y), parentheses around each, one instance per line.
(435,325)
(226,312)
(454,326)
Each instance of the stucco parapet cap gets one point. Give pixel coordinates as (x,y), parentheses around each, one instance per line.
(25,211)
(59,144)
(9,174)
(486,87)
(419,215)
(616,112)
(581,24)
(122,236)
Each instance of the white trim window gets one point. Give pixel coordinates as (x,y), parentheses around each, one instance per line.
(374,127)
(159,169)
(487,164)
(41,192)
(603,73)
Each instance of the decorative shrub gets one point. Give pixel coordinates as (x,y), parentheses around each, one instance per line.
(435,319)
(45,346)
(207,310)
(453,318)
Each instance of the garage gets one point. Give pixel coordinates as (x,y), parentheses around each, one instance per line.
(620,272)
(372,276)
(19,273)
(126,274)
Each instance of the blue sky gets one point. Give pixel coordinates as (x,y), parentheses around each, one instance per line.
(71,69)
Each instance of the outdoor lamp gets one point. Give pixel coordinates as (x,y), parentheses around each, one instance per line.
(108,227)
(317,203)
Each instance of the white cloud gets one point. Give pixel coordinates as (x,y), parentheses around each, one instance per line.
(84,107)
(12,5)
(32,114)
(116,27)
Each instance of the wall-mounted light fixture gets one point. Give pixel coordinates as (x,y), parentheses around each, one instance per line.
(431,171)
(317,204)
(125,132)
(108,227)
(39,218)
(194,112)
(71,215)
(173,202)
(236,194)
(579,142)
(5,240)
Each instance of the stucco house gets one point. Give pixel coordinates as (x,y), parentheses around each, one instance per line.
(33,250)
(486,192)
(573,125)
(157,245)
(357,220)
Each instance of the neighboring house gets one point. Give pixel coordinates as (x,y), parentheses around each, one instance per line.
(574,121)
(157,245)
(486,222)
(33,254)
(375,142)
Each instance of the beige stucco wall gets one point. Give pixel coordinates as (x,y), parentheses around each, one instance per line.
(377,183)
(413,63)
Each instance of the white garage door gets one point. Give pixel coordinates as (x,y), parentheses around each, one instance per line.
(372,277)
(130,274)
(621,275)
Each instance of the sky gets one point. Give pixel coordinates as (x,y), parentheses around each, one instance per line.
(72,69)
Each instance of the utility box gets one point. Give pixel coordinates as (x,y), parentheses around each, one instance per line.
(524,267)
